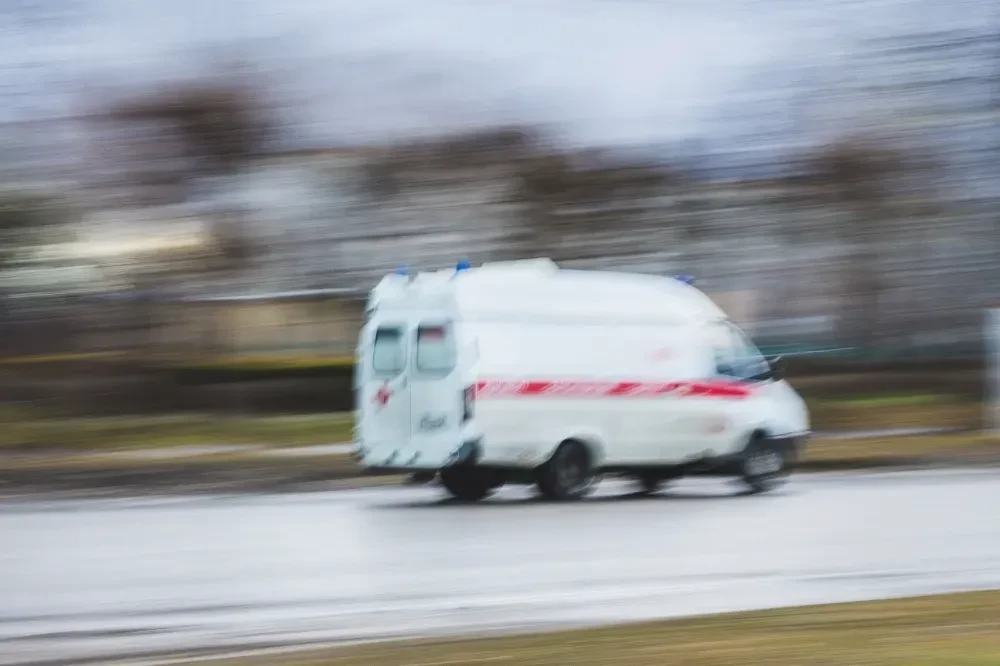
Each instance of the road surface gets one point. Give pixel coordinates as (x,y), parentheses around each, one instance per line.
(109,577)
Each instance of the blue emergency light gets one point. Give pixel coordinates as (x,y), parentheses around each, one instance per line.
(686,279)
(462,266)
(402,270)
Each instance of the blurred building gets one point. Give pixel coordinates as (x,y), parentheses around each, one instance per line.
(316,217)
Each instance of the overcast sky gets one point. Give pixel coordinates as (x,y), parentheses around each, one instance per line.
(605,71)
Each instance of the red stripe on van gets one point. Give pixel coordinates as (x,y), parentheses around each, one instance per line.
(501,388)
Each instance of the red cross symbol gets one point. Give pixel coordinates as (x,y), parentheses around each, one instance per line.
(661,354)
(382,395)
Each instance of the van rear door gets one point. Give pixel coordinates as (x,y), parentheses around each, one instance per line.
(437,399)
(385,394)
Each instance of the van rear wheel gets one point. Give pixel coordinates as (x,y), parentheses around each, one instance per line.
(568,474)
(468,484)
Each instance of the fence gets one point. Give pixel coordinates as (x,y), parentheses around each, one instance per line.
(315,323)
(323,324)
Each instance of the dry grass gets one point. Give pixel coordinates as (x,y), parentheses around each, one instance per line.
(899,411)
(955,446)
(947,630)
(29,432)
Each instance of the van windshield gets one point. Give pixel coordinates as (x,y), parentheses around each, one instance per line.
(735,355)
(436,350)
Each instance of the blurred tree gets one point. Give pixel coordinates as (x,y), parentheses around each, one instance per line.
(230,250)
(381,180)
(214,127)
(26,220)
(487,146)
(188,142)
(388,174)
(463,168)
(692,217)
(864,178)
(225,254)
(564,195)
(542,186)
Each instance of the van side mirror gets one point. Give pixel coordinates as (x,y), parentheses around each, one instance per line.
(778,367)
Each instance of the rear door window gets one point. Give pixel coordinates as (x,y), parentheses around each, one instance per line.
(436,352)
(388,351)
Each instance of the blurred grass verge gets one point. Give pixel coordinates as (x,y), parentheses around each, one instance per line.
(945,630)
(107,474)
(26,430)
(951,448)
(894,411)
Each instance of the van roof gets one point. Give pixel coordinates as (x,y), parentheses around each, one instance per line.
(538,288)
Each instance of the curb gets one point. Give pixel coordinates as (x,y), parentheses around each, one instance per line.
(229,478)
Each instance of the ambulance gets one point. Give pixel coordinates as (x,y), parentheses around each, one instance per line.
(526,373)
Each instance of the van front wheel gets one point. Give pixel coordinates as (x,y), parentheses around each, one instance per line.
(568,475)
(764,465)
(468,485)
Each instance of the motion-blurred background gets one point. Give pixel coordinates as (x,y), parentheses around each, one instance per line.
(195,196)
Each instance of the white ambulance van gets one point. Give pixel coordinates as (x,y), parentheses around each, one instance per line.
(522,372)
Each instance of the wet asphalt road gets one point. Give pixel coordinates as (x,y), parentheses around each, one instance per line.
(110,577)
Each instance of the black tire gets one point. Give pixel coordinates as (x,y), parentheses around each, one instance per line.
(651,483)
(764,465)
(468,485)
(568,474)
(648,484)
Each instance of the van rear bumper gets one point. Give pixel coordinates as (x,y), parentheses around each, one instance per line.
(469,452)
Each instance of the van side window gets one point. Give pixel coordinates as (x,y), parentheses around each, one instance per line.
(735,355)
(437,352)
(388,352)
